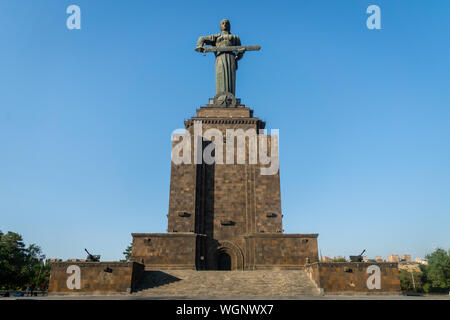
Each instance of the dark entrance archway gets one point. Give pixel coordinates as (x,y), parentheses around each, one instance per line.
(224,261)
(233,259)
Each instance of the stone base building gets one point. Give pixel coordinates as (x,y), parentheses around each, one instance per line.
(223,216)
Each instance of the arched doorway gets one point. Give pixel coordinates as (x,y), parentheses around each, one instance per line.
(224,255)
(224,261)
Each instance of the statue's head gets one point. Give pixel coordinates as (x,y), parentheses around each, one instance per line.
(225,25)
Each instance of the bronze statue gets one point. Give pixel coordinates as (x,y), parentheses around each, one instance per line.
(228,51)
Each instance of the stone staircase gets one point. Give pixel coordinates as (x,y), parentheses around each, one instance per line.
(191,283)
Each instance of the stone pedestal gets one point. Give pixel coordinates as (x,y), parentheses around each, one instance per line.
(225,213)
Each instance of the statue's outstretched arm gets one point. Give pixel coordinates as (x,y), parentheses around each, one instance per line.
(210,40)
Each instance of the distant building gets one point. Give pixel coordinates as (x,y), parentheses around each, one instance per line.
(76,260)
(393,258)
(326,259)
(379,259)
(406,258)
(53,260)
(410,267)
(365,259)
(421,261)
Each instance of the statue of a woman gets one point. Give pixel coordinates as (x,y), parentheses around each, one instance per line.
(226,62)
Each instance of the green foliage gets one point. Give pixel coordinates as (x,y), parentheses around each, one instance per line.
(406,281)
(20,265)
(433,278)
(339,259)
(127,253)
(436,275)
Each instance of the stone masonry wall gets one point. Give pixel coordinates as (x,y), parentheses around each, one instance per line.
(281,251)
(95,277)
(351,277)
(165,250)
(232,207)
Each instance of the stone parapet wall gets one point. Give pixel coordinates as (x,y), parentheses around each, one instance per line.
(167,250)
(94,277)
(355,277)
(281,251)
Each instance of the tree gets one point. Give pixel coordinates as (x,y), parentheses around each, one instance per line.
(40,275)
(127,252)
(20,265)
(406,281)
(36,271)
(436,275)
(13,257)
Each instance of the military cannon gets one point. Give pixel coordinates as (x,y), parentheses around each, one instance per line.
(358,258)
(92,258)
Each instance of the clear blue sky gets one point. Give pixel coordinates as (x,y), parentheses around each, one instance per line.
(86,117)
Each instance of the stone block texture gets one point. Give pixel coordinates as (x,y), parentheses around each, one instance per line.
(201,284)
(351,277)
(224,215)
(96,277)
(170,250)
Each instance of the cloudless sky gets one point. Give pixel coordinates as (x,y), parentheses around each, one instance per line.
(86,117)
